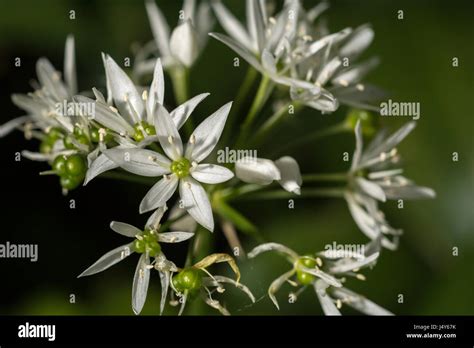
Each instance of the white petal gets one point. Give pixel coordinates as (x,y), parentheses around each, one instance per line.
(123,89)
(6,128)
(124,229)
(167,133)
(154,220)
(255,23)
(360,39)
(159,194)
(107,80)
(50,79)
(358,145)
(268,62)
(270,247)
(108,260)
(257,171)
(215,280)
(391,142)
(276,285)
(323,275)
(165,284)
(342,267)
(140,284)
(231,25)
(211,173)
(327,304)
(409,192)
(157,87)
(290,174)
(140,161)
(100,165)
(370,188)
(182,112)
(184,44)
(70,65)
(196,202)
(328,71)
(159,27)
(37,156)
(207,134)
(360,303)
(174,237)
(239,49)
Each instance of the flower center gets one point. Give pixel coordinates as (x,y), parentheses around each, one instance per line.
(147,242)
(181,167)
(303,277)
(143,129)
(188,279)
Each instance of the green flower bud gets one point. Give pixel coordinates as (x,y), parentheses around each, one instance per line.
(59,165)
(76,165)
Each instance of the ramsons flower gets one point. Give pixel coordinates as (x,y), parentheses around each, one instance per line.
(329,290)
(263,171)
(180,166)
(147,243)
(195,279)
(373,179)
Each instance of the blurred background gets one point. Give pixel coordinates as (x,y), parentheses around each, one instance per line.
(416,65)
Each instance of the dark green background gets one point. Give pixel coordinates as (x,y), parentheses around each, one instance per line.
(416,56)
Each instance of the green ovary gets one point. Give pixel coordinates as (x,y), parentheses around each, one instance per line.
(147,243)
(189,279)
(303,277)
(143,129)
(181,167)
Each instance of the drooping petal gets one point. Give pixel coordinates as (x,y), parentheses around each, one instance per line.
(165,284)
(360,303)
(211,173)
(276,285)
(140,284)
(196,202)
(323,275)
(216,305)
(139,161)
(358,145)
(327,304)
(70,65)
(184,43)
(6,128)
(270,247)
(259,171)
(351,264)
(215,280)
(125,94)
(182,112)
(290,174)
(159,27)
(167,133)
(124,229)
(207,134)
(159,194)
(174,237)
(108,260)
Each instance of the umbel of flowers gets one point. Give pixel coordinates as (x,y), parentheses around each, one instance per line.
(130,133)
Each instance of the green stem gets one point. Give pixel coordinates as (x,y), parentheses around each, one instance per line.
(325,177)
(239,100)
(306,193)
(129,177)
(264,91)
(180,79)
(335,129)
(274,121)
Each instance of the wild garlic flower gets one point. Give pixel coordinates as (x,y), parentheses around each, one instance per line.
(263,171)
(183,46)
(373,178)
(329,290)
(131,121)
(179,166)
(147,243)
(195,279)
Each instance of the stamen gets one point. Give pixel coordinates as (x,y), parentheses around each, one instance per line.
(145,95)
(360,87)
(360,276)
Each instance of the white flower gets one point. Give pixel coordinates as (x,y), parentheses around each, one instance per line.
(263,171)
(329,290)
(183,46)
(146,243)
(181,166)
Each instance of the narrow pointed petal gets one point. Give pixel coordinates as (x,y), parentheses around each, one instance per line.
(140,284)
(360,303)
(50,79)
(342,267)
(167,133)
(217,279)
(323,275)
(211,174)
(256,25)
(165,284)
(196,202)
(174,237)
(159,27)
(271,247)
(372,189)
(157,88)
(182,112)
(70,65)
(108,260)
(207,134)
(159,194)
(100,165)
(392,141)
(360,39)
(140,161)
(154,220)
(327,304)
(358,146)
(232,25)
(268,62)
(124,229)
(290,174)
(259,171)
(216,305)
(184,44)
(8,127)
(276,285)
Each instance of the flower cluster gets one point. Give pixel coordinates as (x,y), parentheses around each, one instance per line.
(128,133)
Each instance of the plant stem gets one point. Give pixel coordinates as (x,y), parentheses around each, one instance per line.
(128,177)
(325,177)
(306,193)
(335,129)
(263,93)
(180,79)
